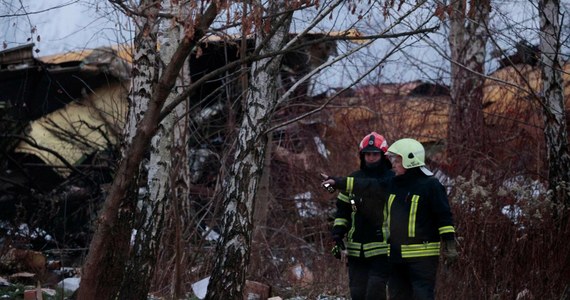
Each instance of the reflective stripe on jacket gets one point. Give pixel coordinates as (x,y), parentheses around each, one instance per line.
(365,228)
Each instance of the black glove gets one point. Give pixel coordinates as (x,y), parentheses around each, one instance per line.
(336,252)
(338,243)
(337,180)
(327,186)
(450,251)
(338,233)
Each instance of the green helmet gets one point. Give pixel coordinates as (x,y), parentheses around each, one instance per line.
(412,153)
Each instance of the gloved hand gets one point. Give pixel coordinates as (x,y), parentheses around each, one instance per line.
(338,247)
(450,251)
(338,241)
(331,181)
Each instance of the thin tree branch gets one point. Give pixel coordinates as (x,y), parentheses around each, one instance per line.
(39,11)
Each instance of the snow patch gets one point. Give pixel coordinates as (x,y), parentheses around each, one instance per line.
(513,212)
(305,205)
(70,284)
(200,288)
(210,234)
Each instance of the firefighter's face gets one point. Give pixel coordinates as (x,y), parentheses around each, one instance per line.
(372,157)
(397,166)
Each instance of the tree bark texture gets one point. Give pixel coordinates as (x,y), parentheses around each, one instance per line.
(263,200)
(151,209)
(179,172)
(555,127)
(239,188)
(102,280)
(467,40)
(97,264)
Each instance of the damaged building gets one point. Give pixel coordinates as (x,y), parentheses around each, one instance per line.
(63,116)
(59,116)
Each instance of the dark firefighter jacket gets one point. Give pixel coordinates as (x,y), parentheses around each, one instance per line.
(419,216)
(418,212)
(360,217)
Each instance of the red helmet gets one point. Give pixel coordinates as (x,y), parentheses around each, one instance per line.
(373,142)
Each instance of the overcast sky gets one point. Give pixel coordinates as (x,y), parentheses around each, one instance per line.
(57,26)
(61,25)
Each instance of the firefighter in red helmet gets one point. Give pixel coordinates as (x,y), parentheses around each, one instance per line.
(362,226)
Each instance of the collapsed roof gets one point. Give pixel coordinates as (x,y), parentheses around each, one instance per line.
(76,102)
(33,87)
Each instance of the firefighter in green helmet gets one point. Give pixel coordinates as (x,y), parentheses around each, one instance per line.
(419,220)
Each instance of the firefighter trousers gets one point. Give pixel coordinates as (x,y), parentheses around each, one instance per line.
(368,277)
(413,279)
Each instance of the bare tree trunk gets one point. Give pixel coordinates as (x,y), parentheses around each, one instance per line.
(102,280)
(263,199)
(160,179)
(104,242)
(240,187)
(467,40)
(180,171)
(555,127)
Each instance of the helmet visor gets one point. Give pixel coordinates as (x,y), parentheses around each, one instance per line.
(371,149)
